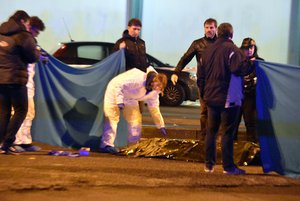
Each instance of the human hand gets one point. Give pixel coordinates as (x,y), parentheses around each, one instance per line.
(121,106)
(163,131)
(122,45)
(174,79)
(44,58)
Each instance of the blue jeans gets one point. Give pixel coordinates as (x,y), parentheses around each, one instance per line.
(11,95)
(224,119)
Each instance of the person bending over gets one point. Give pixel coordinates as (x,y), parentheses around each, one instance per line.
(123,94)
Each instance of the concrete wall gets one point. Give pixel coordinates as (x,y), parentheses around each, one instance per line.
(92,20)
(169,26)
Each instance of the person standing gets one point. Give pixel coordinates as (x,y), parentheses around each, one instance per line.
(17,50)
(248,109)
(122,94)
(196,49)
(223,66)
(23,140)
(135,48)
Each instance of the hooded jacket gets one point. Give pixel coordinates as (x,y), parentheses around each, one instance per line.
(129,88)
(220,62)
(17,50)
(135,52)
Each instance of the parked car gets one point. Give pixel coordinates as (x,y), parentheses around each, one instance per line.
(88,53)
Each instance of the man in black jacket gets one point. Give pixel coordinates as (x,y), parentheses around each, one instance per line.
(196,49)
(223,66)
(135,48)
(17,50)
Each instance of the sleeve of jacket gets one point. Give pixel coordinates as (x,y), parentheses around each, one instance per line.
(153,107)
(116,46)
(186,58)
(29,51)
(201,78)
(239,64)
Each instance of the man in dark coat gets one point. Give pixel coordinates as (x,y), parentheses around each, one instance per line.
(17,50)
(135,48)
(196,49)
(223,66)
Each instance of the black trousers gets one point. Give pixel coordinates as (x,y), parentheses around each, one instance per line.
(248,112)
(11,95)
(203,117)
(224,119)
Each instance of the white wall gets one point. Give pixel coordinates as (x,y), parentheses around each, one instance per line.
(92,20)
(169,26)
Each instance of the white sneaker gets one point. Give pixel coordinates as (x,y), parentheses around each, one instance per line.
(208,169)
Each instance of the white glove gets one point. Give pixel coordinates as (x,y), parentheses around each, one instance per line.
(174,79)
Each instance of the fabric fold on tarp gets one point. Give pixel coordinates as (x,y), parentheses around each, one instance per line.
(69,102)
(278,112)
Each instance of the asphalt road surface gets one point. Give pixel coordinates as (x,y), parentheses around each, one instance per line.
(104,177)
(186,115)
(42,177)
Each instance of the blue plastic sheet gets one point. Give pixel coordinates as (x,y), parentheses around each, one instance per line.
(69,102)
(278,98)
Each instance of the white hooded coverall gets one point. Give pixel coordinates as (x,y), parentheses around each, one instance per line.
(128,88)
(23,135)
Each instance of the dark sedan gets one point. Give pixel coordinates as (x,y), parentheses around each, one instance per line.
(88,53)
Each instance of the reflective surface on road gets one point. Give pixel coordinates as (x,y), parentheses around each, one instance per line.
(246,153)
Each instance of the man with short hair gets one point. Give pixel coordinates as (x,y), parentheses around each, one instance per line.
(196,49)
(223,66)
(135,48)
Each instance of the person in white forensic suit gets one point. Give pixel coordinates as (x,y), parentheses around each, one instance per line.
(123,94)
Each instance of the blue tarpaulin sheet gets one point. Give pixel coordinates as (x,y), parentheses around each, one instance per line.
(278,111)
(69,102)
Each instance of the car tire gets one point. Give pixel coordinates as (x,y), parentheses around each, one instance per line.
(173,95)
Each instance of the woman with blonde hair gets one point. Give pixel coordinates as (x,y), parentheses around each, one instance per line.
(123,94)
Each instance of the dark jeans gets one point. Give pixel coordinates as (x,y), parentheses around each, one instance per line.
(11,95)
(225,119)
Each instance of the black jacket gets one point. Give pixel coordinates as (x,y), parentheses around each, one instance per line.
(135,52)
(197,48)
(218,62)
(17,50)
(250,80)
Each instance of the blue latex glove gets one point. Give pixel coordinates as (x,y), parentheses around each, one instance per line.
(163,131)
(121,106)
